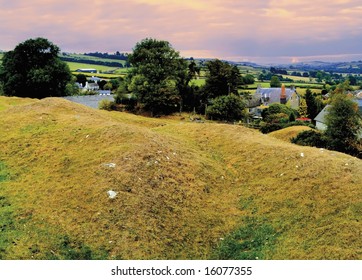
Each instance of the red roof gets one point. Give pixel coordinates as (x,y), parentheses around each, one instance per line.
(303,119)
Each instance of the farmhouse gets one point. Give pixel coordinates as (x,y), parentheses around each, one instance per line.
(91,86)
(280,95)
(264,97)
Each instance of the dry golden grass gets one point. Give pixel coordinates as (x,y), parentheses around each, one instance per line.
(181,187)
(286,134)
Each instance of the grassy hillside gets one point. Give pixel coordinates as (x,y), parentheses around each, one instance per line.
(184,190)
(286,134)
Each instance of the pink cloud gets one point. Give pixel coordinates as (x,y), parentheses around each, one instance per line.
(221,28)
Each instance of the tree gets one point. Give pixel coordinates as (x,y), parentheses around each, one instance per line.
(343,124)
(157,73)
(270,114)
(275,82)
(221,79)
(33,69)
(81,79)
(226,107)
(303,109)
(314,106)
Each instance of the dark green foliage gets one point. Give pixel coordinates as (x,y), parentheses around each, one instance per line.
(275,82)
(277,108)
(251,241)
(248,79)
(291,117)
(33,69)
(343,124)
(270,127)
(158,71)
(82,79)
(221,79)
(314,106)
(310,138)
(226,108)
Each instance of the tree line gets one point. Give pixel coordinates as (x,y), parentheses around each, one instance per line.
(162,82)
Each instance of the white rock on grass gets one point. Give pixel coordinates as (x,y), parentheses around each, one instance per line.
(112,194)
(111,165)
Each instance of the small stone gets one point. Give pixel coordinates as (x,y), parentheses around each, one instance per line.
(111,165)
(111,194)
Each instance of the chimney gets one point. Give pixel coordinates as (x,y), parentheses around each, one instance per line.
(283,95)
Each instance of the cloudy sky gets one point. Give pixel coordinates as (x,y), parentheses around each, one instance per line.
(259,30)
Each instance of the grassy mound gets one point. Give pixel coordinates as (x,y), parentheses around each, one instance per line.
(287,133)
(184,190)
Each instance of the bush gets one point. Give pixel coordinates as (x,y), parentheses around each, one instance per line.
(310,138)
(106,105)
(226,108)
(270,127)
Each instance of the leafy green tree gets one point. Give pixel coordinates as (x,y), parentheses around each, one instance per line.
(275,109)
(275,82)
(82,79)
(343,124)
(314,106)
(33,69)
(227,108)
(157,73)
(221,79)
(248,79)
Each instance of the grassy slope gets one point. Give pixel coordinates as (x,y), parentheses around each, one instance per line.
(181,187)
(287,133)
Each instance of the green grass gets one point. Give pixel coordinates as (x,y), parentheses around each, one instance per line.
(184,190)
(94,58)
(198,82)
(75,65)
(254,240)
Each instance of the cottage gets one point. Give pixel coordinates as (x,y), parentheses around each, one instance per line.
(264,97)
(91,87)
(280,95)
(320,119)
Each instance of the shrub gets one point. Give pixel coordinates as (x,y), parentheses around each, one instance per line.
(310,138)
(226,108)
(106,105)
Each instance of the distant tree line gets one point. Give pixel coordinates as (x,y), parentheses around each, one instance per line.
(94,62)
(116,55)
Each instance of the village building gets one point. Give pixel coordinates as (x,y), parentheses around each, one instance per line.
(264,97)
(320,119)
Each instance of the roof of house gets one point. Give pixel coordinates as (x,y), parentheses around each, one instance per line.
(322,114)
(273,94)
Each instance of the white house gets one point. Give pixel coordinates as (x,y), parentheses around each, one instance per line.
(320,118)
(91,87)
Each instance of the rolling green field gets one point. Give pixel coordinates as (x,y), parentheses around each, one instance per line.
(94,58)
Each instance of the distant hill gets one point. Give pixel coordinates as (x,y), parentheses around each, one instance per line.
(183,190)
